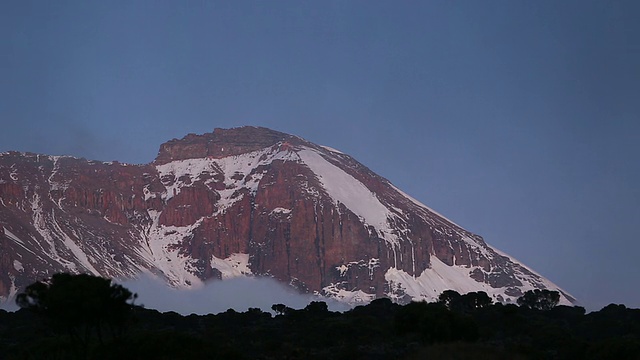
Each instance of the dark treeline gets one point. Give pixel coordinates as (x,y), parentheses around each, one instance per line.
(84,317)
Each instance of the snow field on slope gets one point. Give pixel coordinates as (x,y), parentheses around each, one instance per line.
(77,252)
(175,267)
(433,281)
(471,242)
(344,188)
(440,277)
(39,222)
(419,204)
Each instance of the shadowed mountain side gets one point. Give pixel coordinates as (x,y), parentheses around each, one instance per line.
(242,202)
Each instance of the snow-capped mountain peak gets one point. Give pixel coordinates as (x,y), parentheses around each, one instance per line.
(242,202)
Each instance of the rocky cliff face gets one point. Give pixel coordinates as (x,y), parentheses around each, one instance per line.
(241,202)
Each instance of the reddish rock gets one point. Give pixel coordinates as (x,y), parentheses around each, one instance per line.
(113,219)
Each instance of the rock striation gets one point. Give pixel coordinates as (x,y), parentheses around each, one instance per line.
(241,202)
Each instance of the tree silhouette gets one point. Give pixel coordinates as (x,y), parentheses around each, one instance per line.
(476,300)
(317,308)
(464,303)
(280,309)
(433,322)
(539,299)
(449,298)
(379,330)
(85,306)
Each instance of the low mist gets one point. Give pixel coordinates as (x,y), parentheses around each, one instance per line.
(9,304)
(218,296)
(214,296)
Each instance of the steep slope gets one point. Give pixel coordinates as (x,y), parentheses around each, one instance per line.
(241,202)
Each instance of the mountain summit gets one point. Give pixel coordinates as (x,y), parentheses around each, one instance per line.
(241,202)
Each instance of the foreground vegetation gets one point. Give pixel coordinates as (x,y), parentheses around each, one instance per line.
(85,317)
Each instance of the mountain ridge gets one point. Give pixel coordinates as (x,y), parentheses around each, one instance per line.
(247,201)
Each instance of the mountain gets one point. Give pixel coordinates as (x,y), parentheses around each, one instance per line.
(241,202)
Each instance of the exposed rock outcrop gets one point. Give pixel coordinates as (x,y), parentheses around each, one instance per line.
(245,201)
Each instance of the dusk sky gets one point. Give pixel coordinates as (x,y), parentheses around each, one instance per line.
(519,120)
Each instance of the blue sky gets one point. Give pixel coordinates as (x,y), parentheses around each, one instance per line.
(519,120)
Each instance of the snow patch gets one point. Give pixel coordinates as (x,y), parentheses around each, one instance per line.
(371,264)
(477,248)
(40,224)
(357,297)
(77,252)
(234,266)
(54,185)
(433,281)
(18,265)
(239,171)
(14,173)
(160,248)
(280,210)
(342,269)
(332,149)
(12,236)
